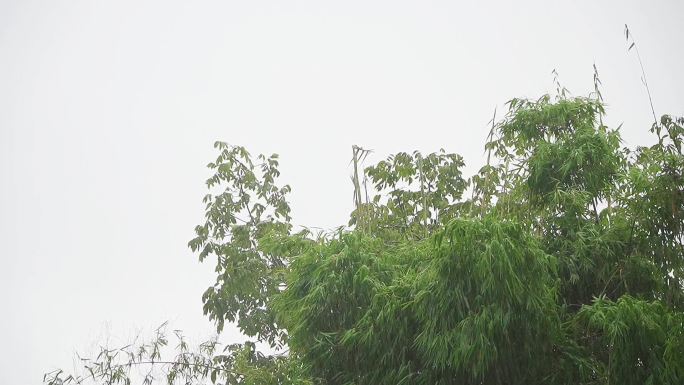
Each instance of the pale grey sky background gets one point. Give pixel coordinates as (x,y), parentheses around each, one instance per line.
(108,112)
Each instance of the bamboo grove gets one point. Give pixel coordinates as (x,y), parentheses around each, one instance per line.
(560,262)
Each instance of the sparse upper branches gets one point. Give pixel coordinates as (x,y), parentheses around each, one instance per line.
(414,193)
(246,207)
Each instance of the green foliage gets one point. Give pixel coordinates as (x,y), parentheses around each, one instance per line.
(330,290)
(487,303)
(654,200)
(564,266)
(415,194)
(247,208)
(636,341)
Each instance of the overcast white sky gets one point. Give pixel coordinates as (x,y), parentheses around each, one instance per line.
(108,112)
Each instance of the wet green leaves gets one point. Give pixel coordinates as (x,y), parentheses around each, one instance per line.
(563,265)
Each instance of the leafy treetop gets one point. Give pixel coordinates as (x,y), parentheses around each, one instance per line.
(560,262)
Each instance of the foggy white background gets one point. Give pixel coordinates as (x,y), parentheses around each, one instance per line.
(109,109)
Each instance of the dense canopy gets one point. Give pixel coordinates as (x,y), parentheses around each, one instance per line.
(560,262)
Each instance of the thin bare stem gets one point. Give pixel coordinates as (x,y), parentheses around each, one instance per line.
(630,37)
